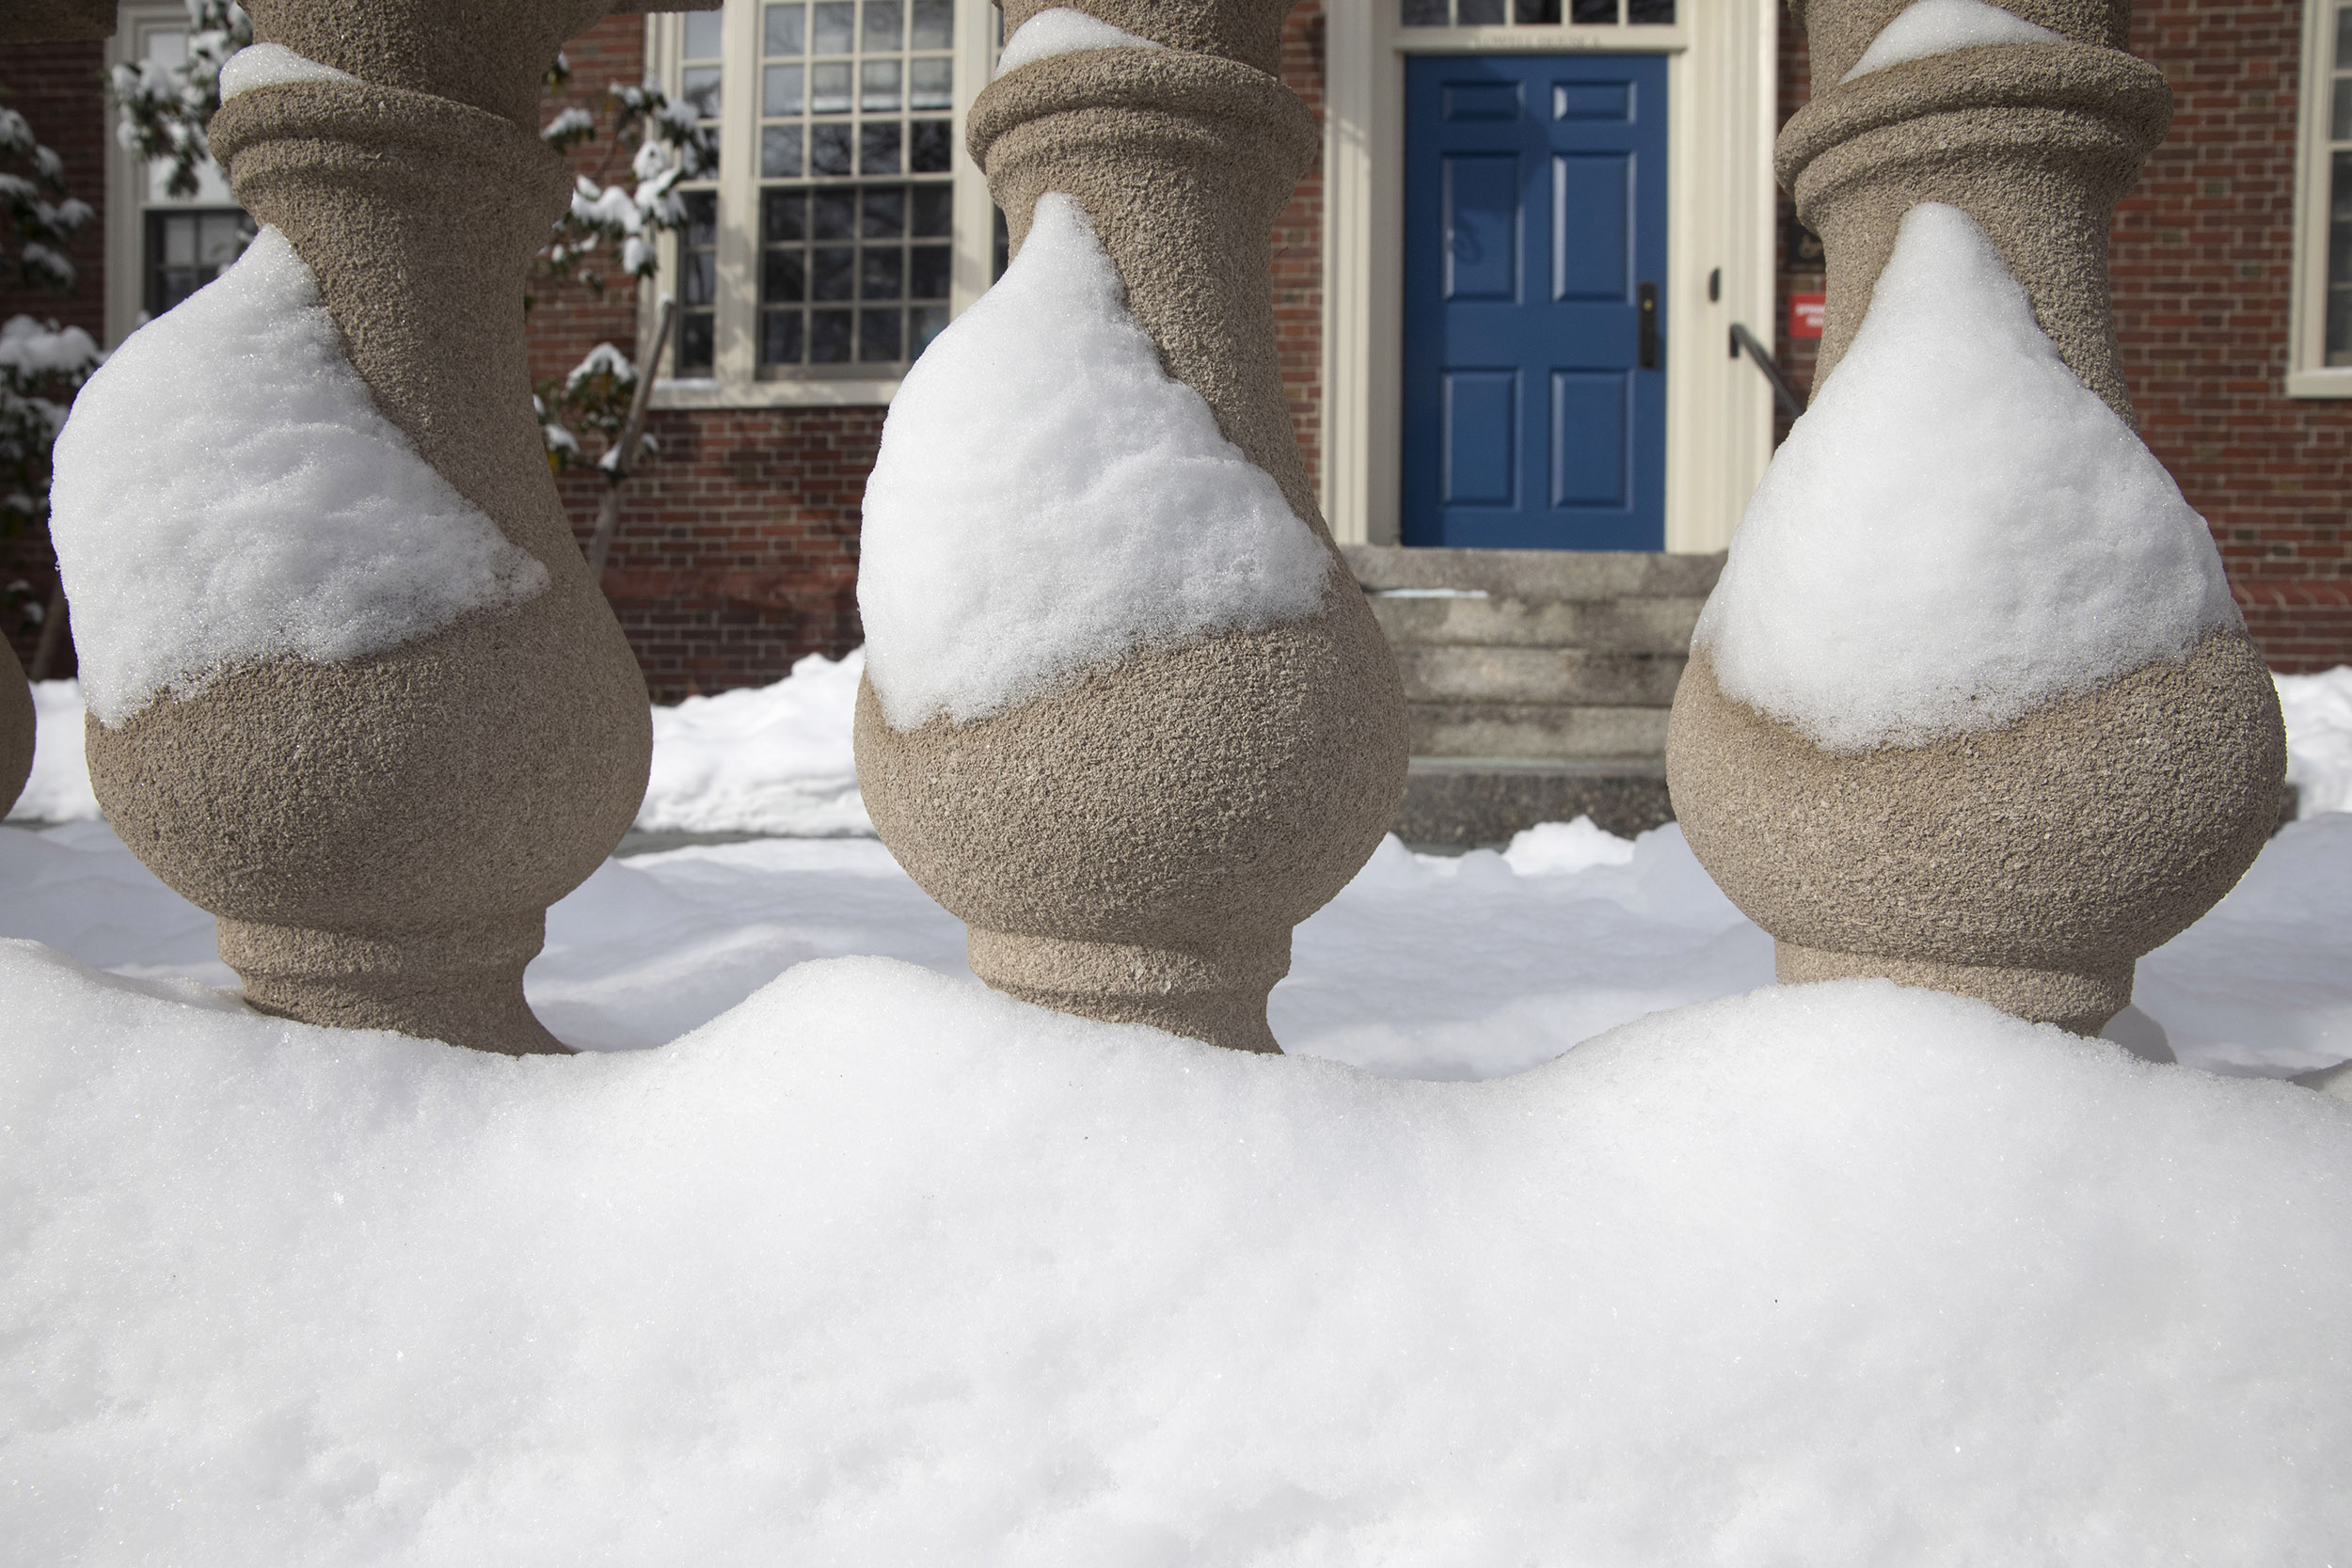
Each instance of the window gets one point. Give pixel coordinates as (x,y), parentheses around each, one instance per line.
(1501,13)
(845,224)
(2322,331)
(160,247)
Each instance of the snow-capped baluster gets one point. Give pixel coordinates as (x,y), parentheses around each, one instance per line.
(1972,707)
(353,690)
(1125,712)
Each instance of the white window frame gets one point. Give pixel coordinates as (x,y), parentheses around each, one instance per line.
(2309,375)
(734,382)
(1722,84)
(127,201)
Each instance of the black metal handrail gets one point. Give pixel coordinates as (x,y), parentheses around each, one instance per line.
(1786,395)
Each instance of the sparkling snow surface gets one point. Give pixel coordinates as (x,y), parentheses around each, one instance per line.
(772,759)
(227,491)
(261,65)
(882,1268)
(1940,26)
(1059,30)
(1958,531)
(1047,499)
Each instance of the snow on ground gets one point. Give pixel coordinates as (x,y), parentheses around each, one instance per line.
(883,1268)
(2318,711)
(1958,531)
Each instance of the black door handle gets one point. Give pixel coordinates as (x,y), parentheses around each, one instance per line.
(1645,306)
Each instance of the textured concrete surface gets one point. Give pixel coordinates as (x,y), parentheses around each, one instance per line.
(16,729)
(1138,847)
(2029,866)
(381,838)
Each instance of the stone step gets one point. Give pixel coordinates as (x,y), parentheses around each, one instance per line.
(1551,677)
(1532,731)
(1538,574)
(1464,803)
(1658,625)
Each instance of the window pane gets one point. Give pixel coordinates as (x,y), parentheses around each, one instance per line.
(829,149)
(878,335)
(701,91)
(836,28)
(1478,13)
(694,337)
(931,85)
(785,28)
(1649,11)
(926,322)
(780,90)
(2340,111)
(220,239)
(836,215)
(883,29)
(782,278)
(934,210)
(780,152)
(2339,343)
(829,88)
(877,148)
(927,153)
(884,215)
(698,284)
(935,23)
(926,271)
(783,216)
(179,239)
(1593,10)
(881,274)
(834,273)
(702,218)
(780,337)
(2343,38)
(704,31)
(1422,13)
(1537,11)
(878,86)
(829,337)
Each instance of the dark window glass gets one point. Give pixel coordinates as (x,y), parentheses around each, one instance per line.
(1644,12)
(883,213)
(927,153)
(834,273)
(885,26)
(702,218)
(879,274)
(1000,253)
(2339,328)
(1593,10)
(828,149)
(698,284)
(2343,38)
(701,89)
(925,322)
(187,249)
(694,342)
(2340,111)
(935,23)
(834,216)
(784,278)
(934,210)
(779,152)
(829,337)
(927,272)
(1422,13)
(877,336)
(1537,11)
(783,29)
(780,337)
(783,215)
(1478,13)
(837,27)
(877,148)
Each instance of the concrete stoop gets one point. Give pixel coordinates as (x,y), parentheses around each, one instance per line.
(1537,682)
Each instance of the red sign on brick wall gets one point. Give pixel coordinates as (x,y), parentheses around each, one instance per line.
(1804,315)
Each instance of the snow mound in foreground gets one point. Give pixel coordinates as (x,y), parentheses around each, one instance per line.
(882,1267)
(1958,531)
(2318,711)
(1048,498)
(227,491)
(769,759)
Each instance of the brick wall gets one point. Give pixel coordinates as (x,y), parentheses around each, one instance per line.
(1298,249)
(2200,260)
(58,89)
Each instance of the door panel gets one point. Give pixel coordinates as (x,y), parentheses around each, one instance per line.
(1535,210)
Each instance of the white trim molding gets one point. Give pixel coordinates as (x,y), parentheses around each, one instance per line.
(1723,59)
(2309,374)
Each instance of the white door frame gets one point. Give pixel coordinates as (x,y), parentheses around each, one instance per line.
(1723,87)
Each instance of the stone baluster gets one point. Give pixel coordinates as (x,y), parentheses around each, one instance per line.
(381,835)
(2032,863)
(1136,846)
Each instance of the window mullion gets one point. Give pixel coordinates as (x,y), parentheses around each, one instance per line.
(735,359)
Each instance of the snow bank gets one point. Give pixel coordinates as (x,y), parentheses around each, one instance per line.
(262,65)
(227,491)
(771,759)
(1958,531)
(1047,499)
(2318,711)
(1060,30)
(58,789)
(882,1267)
(1940,26)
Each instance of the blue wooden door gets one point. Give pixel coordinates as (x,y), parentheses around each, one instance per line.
(1535,249)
